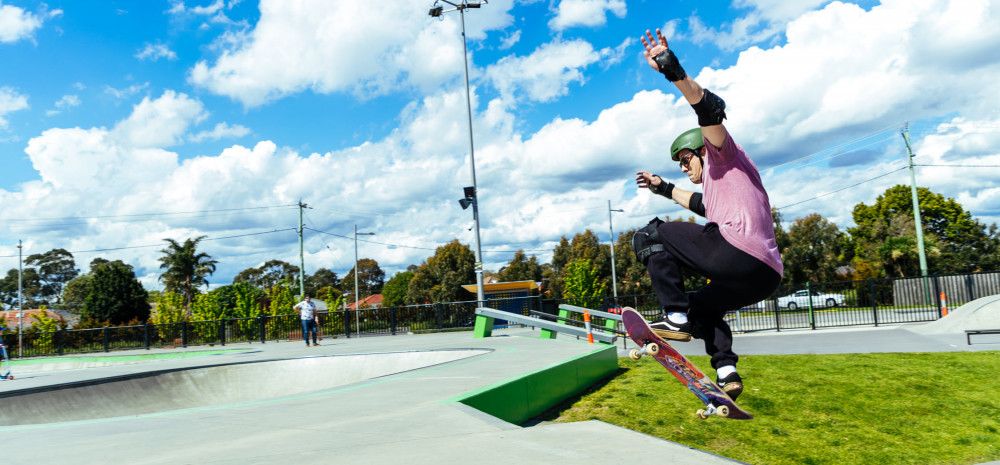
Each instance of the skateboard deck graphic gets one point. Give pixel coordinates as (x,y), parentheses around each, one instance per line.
(716,401)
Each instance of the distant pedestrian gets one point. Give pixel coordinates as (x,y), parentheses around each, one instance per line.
(310,319)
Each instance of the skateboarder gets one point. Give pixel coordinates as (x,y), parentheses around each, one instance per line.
(309,317)
(736,249)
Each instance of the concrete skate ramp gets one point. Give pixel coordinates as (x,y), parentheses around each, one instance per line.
(159,391)
(982,313)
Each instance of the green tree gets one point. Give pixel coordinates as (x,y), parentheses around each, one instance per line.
(55,268)
(31,290)
(75,293)
(521,268)
(115,295)
(323,277)
(282,301)
(185,269)
(884,236)
(441,276)
(585,245)
(332,296)
(268,275)
(583,284)
(631,275)
(371,278)
(815,250)
(43,330)
(394,291)
(168,308)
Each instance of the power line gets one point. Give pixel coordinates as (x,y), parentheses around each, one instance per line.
(841,189)
(960,166)
(112,249)
(140,216)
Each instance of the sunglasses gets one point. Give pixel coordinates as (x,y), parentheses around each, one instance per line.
(685,160)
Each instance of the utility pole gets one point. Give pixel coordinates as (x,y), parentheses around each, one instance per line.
(916,205)
(302,254)
(20,299)
(614,275)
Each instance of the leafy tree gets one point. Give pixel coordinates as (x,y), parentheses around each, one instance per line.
(282,301)
(521,268)
(954,241)
(31,290)
(185,269)
(323,277)
(169,308)
(583,284)
(440,278)
(631,275)
(815,250)
(55,268)
(371,278)
(75,293)
(115,295)
(268,275)
(394,291)
(43,330)
(585,245)
(332,296)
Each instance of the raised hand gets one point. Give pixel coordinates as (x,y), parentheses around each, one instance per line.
(653,46)
(645,179)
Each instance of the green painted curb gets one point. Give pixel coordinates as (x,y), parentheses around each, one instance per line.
(523,398)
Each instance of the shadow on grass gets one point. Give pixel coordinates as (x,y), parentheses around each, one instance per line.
(557,410)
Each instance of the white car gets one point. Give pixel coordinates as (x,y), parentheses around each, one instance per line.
(800,299)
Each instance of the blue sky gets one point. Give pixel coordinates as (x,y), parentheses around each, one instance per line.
(120,112)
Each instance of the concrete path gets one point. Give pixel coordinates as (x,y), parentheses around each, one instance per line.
(409,417)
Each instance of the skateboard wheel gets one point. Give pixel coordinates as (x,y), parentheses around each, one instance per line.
(653,348)
(634,354)
(723,410)
(701,414)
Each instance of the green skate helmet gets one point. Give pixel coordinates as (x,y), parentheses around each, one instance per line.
(688,140)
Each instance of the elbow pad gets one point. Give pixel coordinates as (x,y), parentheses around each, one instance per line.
(696,205)
(711,110)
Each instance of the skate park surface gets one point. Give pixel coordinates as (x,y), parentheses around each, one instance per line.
(386,399)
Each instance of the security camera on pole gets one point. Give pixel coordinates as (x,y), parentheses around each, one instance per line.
(471,192)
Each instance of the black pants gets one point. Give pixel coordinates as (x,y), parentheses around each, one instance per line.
(737,279)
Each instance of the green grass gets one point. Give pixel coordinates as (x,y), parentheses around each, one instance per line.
(939,408)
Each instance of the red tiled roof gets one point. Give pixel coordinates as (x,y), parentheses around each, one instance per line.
(370,301)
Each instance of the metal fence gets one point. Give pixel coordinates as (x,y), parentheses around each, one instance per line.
(811,306)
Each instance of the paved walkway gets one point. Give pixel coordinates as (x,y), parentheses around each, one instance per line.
(409,417)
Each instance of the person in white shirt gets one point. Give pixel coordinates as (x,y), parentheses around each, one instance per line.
(310,319)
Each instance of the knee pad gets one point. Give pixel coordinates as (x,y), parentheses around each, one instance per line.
(646,241)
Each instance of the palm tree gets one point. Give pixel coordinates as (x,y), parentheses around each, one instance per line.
(185,269)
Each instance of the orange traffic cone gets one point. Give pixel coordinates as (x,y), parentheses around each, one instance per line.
(586,322)
(944,304)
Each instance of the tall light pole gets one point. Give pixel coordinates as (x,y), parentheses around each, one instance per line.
(20,300)
(614,275)
(473,199)
(357,297)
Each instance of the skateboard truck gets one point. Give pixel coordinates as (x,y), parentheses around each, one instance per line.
(649,349)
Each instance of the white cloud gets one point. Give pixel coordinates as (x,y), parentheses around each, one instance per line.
(586,13)
(156,51)
(546,74)
(10,101)
(510,40)
(341,47)
(765,21)
(126,92)
(64,102)
(220,131)
(17,24)
(161,122)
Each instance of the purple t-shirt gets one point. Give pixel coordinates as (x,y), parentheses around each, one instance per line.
(735,200)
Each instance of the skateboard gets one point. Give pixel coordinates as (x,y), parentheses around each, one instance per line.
(716,401)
